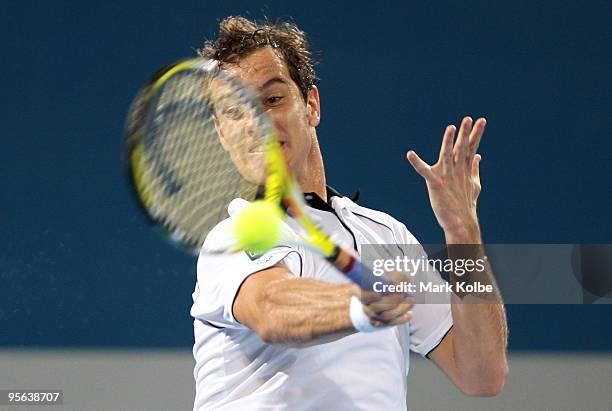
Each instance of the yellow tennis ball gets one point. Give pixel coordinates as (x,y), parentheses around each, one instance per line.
(257,227)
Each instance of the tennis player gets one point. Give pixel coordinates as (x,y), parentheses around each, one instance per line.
(284,330)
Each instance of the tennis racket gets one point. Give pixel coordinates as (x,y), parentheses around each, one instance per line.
(197,139)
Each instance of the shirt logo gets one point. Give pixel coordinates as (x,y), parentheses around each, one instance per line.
(253,255)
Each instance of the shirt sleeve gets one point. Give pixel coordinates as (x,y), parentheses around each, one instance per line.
(430,323)
(219,276)
(432,317)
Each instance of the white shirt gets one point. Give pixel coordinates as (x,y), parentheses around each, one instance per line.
(235,370)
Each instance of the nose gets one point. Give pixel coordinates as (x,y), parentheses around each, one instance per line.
(275,120)
(253,127)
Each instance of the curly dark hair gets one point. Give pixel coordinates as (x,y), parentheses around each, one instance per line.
(238,37)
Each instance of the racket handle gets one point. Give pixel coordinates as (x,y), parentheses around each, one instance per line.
(354,269)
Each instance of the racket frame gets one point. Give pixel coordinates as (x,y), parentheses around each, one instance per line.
(280,186)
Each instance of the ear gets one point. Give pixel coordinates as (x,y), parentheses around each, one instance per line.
(313,105)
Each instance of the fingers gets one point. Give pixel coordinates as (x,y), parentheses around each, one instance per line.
(387,313)
(460,151)
(476,136)
(393,298)
(446,151)
(419,165)
(476,175)
(476,167)
(371,297)
(404,318)
(468,141)
(386,308)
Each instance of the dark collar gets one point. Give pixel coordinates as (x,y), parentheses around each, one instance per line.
(313,199)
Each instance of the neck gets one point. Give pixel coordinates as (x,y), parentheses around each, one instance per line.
(313,180)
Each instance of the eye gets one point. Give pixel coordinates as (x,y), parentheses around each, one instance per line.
(273,100)
(232,112)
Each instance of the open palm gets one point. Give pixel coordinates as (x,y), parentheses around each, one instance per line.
(453,182)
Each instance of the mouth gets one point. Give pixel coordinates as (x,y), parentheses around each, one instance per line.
(256,149)
(259,148)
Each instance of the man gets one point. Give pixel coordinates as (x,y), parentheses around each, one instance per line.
(279,331)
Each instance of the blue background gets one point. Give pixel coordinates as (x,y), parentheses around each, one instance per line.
(79,266)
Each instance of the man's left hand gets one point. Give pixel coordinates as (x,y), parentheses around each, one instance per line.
(453,182)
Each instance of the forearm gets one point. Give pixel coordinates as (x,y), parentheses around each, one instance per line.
(480,328)
(474,352)
(303,310)
(285,309)
(479,348)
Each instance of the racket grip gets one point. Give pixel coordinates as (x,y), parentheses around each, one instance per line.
(364,278)
(358,273)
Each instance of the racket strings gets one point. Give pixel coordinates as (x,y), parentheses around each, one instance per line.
(188,175)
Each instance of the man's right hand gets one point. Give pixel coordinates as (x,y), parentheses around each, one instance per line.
(385,310)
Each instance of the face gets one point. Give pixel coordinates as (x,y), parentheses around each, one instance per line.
(265,72)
